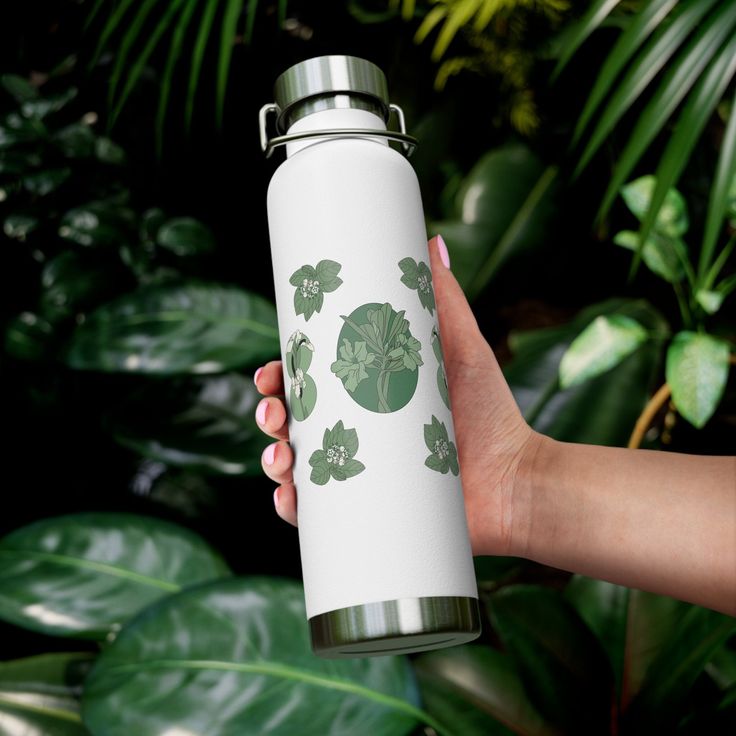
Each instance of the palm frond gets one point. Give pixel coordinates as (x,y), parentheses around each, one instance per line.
(227,36)
(200,45)
(690,124)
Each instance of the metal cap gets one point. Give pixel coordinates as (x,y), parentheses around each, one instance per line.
(327,76)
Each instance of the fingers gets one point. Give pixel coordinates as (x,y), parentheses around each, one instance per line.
(284,499)
(276,461)
(461,337)
(271,417)
(269,379)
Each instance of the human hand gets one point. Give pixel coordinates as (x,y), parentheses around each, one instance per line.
(493,440)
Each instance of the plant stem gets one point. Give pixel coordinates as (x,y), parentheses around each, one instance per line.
(650,410)
(682,303)
(382,388)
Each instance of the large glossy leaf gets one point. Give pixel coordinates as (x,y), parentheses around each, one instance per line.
(185,236)
(205,424)
(85,574)
(183,328)
(603,344)
(502,209)
(697,371)
(234,657)
(600,411)
(564,669)
(39,696)
(697,635)
(476,691)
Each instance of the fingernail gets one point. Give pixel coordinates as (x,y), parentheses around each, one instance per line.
(442,248)
(256,374)
(276,498)
(269,453)
(261,410)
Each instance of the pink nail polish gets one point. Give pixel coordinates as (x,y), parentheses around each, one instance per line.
(261,411)
(442,248)
(269,454)
(256,374)
(276,498)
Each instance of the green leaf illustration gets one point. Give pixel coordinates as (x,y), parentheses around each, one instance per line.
(320,468)
(604,343)
(311,285)
(418,276)
(386,348)
(409,269)
(444,452)
(336,458)
(697,371)
(327,275)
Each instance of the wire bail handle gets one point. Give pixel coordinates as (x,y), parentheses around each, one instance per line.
(408,142)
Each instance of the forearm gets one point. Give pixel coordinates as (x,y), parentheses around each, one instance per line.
(662,522)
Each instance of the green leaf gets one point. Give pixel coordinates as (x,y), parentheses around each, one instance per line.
(185,236)
(43,106)
(205,424)
(200,45)
(108,151)
(18,227)
(560,661)
(174,55)
(84,575)
(113,23)
(474,690)
(602,410)
(237,657)
(603,344)
(409,268)
(697,371)
(594,15)
(697,111)
(352,467)
(452,459)
(663,255)
(697,635)
(38,695)
(27,336)
(320,468)
(710,301)
(19,88)
(75,141)
(350,440)
(230,17)
(98,224)
(724,181)
(327,274)
(643,23)
(45,182)
(672,219)
(184,328)
(434,463)
(503,209)
(665,42)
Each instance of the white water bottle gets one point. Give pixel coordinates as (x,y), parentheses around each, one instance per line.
(384,543)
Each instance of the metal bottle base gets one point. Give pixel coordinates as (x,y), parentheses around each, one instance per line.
(395,627)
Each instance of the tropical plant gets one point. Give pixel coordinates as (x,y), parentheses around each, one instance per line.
(670,59)
(501,43)
(174,634)
(697,363)
(135,31)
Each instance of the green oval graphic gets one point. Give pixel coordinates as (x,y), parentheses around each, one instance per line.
(303,390)
(378,358)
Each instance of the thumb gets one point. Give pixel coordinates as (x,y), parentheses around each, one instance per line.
(461,337)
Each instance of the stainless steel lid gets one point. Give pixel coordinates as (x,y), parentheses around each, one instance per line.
(328,76)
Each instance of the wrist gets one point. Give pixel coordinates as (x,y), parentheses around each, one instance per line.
(533,492)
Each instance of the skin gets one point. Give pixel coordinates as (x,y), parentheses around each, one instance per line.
(656,521)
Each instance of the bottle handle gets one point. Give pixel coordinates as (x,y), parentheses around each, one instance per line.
(408,142)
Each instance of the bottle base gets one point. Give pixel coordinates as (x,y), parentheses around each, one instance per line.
(396,626)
